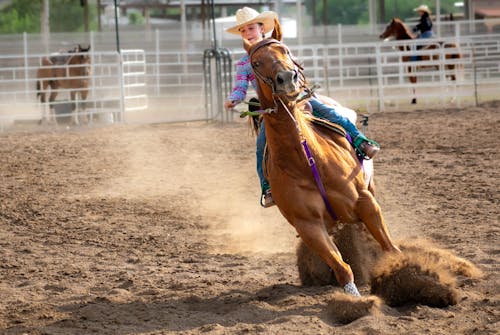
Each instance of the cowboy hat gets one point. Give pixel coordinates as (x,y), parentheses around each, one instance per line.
(248,15)
(422,8)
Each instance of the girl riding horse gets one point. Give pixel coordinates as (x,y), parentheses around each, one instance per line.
(252,26)
(316,177)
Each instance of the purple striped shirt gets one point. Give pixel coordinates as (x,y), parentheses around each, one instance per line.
(244,75)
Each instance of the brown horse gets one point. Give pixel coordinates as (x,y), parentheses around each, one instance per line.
(68,71)
(399,31)
(280,81)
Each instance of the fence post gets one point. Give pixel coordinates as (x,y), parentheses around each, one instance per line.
(341,70)
(378,56)
(442,70)
(326,69)
(157,64)
(26,65)
(92,77)
(474,70)
(120,116)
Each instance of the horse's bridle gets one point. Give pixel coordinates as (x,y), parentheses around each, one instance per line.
(269,81)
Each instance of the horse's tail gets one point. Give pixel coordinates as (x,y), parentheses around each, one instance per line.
(38,88)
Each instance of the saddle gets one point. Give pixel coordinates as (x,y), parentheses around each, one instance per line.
(58,59)
(327,124)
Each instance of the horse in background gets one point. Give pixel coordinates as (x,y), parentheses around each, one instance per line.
(69,71)
(314,208)
(399,31)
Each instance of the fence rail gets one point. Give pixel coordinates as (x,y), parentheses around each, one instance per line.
(117,87)
(163,81)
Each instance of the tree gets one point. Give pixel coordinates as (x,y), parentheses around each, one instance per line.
(65,16)
(332,12)
(21,16)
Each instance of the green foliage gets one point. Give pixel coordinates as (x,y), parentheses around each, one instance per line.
(65,16)
(135,18)
(21,16)
(356,11)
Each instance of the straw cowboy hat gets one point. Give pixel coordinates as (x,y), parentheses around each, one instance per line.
(248,15)
(422,8)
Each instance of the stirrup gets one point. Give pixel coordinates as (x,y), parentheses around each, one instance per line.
(266,199)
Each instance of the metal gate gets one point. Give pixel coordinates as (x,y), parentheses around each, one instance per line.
(117,90)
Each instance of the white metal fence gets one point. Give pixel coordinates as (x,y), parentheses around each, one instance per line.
(117,89)
(161,78)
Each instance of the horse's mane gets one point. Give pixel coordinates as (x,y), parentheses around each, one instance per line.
(307,129)
(405,27)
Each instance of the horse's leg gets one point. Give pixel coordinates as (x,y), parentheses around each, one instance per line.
(316,238)
(52,98)
(83,106)
(74,108)
(40,87)
(413,80)
(369,212)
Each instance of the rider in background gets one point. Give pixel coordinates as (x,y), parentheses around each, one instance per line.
(424,26)
(253,26)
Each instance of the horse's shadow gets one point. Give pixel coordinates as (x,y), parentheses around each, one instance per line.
(270,304)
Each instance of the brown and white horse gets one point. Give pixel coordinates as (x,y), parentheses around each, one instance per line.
(399,31)
(294,187)
(69,71)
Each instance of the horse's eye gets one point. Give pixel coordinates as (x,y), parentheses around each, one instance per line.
(256,64)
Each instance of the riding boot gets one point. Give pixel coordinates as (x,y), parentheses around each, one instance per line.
(365,147)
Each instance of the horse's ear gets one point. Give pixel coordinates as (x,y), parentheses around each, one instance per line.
(246,45)
(277,35)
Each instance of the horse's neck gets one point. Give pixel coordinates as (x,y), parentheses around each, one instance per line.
(76,67)
(283,134)
(404,33)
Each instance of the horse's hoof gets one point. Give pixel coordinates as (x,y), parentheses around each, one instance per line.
(351,289)
(414,101)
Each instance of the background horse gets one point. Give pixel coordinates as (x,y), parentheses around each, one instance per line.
(296,192)
(399,31)
(69,71)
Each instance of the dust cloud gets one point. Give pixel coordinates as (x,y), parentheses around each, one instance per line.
(222,186)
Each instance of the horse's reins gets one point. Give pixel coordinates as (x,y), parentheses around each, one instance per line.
(312,164)
(303,141)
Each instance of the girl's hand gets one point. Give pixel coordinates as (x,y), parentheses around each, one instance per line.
(229,104)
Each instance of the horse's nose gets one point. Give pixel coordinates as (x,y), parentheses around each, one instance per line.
(286,80)
(286,77)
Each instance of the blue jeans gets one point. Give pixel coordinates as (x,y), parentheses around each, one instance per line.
(261,144)
(328,113)
(319,110)
(427,34)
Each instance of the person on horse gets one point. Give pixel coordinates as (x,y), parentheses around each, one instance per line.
(424,26)
(252,26)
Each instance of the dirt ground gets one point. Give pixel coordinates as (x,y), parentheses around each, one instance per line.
(156,229)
